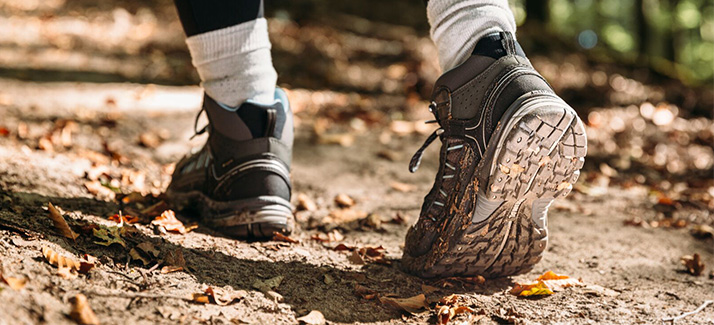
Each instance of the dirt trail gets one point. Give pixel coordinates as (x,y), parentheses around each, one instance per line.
(638,268)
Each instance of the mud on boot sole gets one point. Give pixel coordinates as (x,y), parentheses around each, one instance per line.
(536,158)
(256,218)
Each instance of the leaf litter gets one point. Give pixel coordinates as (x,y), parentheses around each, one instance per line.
(694,264)
(167,220)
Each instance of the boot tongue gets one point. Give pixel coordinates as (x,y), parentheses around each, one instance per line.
(497,45)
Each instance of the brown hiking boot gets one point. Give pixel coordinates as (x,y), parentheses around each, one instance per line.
(510,146)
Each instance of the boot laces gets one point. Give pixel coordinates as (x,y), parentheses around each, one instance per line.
(416,159)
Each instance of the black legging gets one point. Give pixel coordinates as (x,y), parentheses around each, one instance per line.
(201,16)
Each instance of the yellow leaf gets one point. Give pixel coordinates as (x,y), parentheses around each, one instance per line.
(531,289)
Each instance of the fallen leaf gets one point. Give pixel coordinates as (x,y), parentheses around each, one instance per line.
(428,289)
(342,139)
(67,273)
(100,191)
(546,284)
(694,264)
(170,269)
(412,305)
(223,299)
(267,286)
(531,289)
(120,218)
(200,298)
(344,200)
(371,221)
(149,248)
(81,311)
(332,236)
(403,187)
(85,267)
(282,238)
(305,203)
(702,231)
(57,260)
(149,140)
(60,224)
(315,317)
(356,258)
(446,313)
(365,292)
(138,256)
(168,221)
(175,258)
(108,236)
(345,215)
(15,283)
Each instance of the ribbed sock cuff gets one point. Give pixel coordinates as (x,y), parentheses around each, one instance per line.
(235,64)
(456,26)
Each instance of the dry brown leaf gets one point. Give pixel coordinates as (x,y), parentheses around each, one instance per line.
(15,283)
(168,221)
(149,248)
(60,224)
(170,269)
(81,311)
(694,264)
(344,216)
(282,238)
(315,317)
(149,140)
(222,299)
(99,190)
(403,187)
(446,313)
(344,200)
(85,267)
(175,258)
(412,305)
(67,273)
(428,289)
(138,256)
(119,218)
(57,260)
(332,236)
(342,139)
(365,292)
(305,203)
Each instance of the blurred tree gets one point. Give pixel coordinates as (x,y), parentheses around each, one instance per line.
(538,11)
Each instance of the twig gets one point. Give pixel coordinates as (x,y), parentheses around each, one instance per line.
(700,308)
(133,295)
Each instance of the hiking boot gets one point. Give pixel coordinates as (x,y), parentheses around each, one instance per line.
(240,187)
(510,146)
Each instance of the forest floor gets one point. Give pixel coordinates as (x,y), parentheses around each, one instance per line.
(82,127)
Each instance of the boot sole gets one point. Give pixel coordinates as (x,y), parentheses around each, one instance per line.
(533,159)
(255,218)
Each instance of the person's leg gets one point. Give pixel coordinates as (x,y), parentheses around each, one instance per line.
(240,181)
(509,147)
(230,48)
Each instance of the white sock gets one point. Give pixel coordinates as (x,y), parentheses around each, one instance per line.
(234,63)
(456,26)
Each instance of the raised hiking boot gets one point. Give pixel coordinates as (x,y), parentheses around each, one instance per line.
(510,146)
(239,184)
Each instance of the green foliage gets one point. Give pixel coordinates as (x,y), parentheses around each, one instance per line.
(676,33)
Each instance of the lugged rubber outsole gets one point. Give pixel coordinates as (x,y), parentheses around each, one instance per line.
(257,218)
(536,158)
